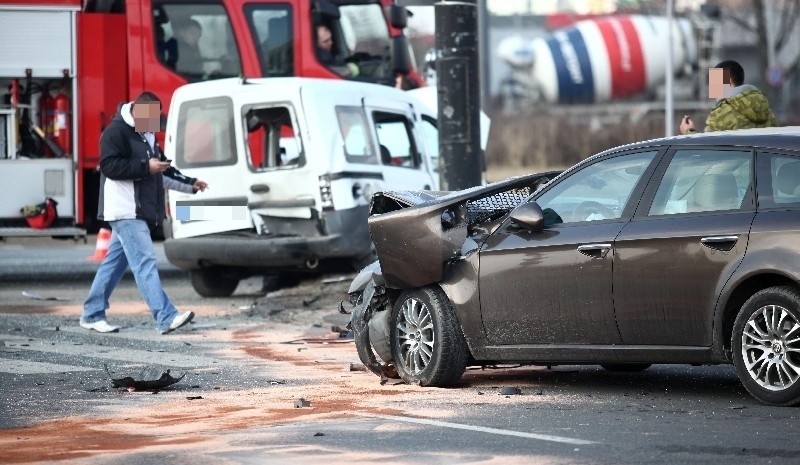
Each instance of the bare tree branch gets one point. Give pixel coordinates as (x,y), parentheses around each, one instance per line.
(788,23)
(741,22)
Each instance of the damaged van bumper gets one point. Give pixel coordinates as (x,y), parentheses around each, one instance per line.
(252,251)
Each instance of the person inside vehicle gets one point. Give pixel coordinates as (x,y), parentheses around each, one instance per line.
(190,60)
(325,54)
(739,105)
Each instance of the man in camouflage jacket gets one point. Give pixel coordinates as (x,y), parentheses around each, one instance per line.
(743,106)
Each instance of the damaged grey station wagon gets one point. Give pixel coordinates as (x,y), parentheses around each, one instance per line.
(684,250)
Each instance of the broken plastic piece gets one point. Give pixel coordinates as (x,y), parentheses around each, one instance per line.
(300,403)
(144,384)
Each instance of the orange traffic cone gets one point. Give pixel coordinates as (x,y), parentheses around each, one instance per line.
(101,249)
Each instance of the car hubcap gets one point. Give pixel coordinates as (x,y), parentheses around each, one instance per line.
(771,348)
(415,336)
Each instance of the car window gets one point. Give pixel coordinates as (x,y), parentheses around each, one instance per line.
(781,174)
(394,140)
(271,27)
(206,133)
(196,39)
(355,133)
(271,138)
(430,134)
(598,191)
(703,181)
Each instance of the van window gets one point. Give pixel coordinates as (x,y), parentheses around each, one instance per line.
(395,140)
(430,135)
(271,28)
(195,40)
(358,147)
(271,138)
(206,133)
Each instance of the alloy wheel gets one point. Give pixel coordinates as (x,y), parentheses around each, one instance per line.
(771,348)
(415,336)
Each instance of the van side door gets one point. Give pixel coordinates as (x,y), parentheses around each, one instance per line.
(401,153)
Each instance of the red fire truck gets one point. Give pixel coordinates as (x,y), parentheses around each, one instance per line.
(66,65)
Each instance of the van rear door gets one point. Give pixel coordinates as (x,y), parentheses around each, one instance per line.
(201,141)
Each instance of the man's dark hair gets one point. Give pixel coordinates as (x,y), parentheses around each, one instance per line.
(146,97)
(735,69)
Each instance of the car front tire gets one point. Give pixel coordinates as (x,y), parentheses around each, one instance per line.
(766,345)
(209,283)
(428,346)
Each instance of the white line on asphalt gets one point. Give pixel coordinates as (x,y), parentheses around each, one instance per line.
(24,367)
(113,353)
(480,429)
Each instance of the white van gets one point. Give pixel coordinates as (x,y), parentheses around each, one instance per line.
(291,164)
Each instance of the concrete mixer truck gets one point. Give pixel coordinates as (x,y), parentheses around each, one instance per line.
(598,59)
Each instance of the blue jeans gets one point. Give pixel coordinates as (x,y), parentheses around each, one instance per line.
(130,244)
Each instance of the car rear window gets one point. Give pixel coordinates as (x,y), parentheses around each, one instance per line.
(704,181)
(782,188)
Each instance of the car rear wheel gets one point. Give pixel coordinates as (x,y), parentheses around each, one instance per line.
(210,283)
(626,367)
(766,345)
(428,346)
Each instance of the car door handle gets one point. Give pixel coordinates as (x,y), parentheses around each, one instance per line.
(720,242)
(595,250)
(259,188)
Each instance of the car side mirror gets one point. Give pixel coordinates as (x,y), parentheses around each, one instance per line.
(401,56)
(528,216)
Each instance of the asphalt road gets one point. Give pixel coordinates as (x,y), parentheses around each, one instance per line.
(247,358)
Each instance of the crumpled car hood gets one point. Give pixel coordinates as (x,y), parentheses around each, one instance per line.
(416,233)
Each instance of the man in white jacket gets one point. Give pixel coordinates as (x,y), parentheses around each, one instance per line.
(134,173)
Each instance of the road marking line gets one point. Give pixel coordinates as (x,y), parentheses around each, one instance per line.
(23,367)
(480,429)
(113,353)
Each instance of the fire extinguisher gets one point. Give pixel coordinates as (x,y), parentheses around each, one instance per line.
(46,117)
(61,126)
(15,93)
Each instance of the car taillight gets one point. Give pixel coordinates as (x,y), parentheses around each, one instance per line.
(325,192)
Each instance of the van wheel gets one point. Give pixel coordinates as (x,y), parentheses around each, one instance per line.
(428,347)
(626,367)
(211,283)
(766,345)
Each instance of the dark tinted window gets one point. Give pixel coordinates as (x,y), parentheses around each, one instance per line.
(271,28)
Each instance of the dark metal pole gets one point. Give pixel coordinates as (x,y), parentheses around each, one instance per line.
(458,83)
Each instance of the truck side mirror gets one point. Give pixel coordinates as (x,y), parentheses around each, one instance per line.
(528,216)
(401,56)
(398,16)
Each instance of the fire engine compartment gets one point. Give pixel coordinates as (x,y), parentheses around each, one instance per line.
(37,76)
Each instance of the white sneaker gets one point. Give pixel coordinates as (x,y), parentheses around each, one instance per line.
(179,320)
(101,326)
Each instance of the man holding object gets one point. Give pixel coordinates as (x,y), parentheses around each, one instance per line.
(739,105)
(134,173)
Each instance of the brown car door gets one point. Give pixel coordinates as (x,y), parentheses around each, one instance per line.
(554,286)
(674,257)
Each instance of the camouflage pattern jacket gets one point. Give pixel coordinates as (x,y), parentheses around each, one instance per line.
(746,107)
